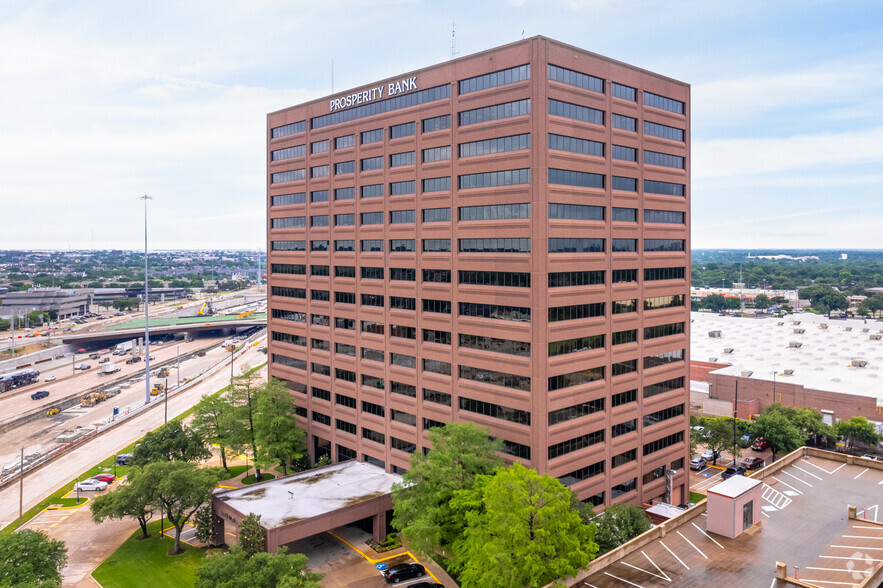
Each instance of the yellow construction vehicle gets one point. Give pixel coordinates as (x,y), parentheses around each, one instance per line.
(230,347)
(157,389)
(91,399)
(163,372)
(245,314)
(52,411)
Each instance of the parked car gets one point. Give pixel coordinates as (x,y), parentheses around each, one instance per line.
(90,486)
(124,459)
(50,378)
(40,394)
(871,457)
(752,463)
(698,432)
(403,572)
(732,471)
(426,585)
(698,463)
(109,478)
(760,444)
(710,455)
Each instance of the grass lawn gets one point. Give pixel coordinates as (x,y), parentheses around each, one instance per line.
(147,563)
(695,497)
(236,471)
(264,477)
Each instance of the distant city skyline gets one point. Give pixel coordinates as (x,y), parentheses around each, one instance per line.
(103,102)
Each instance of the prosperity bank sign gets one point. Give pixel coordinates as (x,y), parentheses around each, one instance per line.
(373,94)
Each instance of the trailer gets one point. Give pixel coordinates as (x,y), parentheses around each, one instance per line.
(18,378)
(108,368)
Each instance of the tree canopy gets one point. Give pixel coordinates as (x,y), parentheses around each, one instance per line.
(620,523)
(858,429)
(522,530)
(422,502)
(31,558)
(252,536)
(236,569)
(128,500)
(215,422)
(170,442)
(279,438)
(779,432)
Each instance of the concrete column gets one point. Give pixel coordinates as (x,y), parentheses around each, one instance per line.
(217,530)
(781,570)
(852,512)
(380,527)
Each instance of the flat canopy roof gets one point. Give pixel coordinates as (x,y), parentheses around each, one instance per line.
(312,493)
(822,362)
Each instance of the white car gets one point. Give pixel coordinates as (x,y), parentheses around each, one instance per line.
(50,378)
(90,486)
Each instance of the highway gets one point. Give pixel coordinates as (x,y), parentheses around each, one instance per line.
(47,479)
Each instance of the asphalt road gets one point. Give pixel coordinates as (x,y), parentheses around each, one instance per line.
(47,479)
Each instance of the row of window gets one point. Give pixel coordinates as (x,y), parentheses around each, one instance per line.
(485,245)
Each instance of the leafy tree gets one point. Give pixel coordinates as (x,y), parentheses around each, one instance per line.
(126,303)
(280,440)
(4,325)
(857,429)
(525,532)
(252,537)
(180,488)
(170,442)
(243,395)
(620,523)
(31,558)
(204,522)
(715,302)
(779,432)
(807,420)
(235,569)
(128,500)
(324,460)
(422,502)
(762,301)
(719,436)
(214,421)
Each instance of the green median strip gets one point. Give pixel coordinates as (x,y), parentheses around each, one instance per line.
(105,466)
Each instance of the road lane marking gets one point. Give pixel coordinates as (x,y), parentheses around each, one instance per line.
(796,478)
(808,473)
(707,535)
(621,580)
(691,544)
(860,473)
(673,555)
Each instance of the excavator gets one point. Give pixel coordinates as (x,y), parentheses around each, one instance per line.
(157,389)
(206,309)
(91,399)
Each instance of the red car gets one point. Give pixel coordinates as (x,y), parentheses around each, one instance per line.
(760,444)
(109,478)
(752,463)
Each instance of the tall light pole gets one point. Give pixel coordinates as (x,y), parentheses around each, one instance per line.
(145,198)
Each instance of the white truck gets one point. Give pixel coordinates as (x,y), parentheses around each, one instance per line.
(108,368)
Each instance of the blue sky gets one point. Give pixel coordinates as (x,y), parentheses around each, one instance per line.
(102,101)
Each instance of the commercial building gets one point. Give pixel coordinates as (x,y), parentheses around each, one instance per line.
(504,239)
(64,302)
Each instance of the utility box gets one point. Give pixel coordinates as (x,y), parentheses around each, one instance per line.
(734,506)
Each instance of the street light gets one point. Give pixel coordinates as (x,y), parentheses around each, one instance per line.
(145,198)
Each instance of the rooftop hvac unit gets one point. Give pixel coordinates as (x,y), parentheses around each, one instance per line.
(865,330)
(728,350)
(847,329)
(780,323)
(876,337)
(747,373)
(799,331)
(859,362)
(715,334)
(795,344)
(823,326)
(788,372)
(795,322)
(712,359)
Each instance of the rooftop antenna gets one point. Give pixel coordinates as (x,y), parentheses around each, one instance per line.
(522,34)
(454,51)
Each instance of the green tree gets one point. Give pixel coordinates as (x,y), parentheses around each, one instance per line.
(778,431)
(252,537)
(244,394)
(279,439)
(620,523)
(857,429)
(715,302)
(125,303)
(422,502)
(235,569)
(525,533)
(31,558)
(719,436)
(4,325)
(170,442)
(204,522)
(128,500)
(762,301)
(180,488)
(214,420)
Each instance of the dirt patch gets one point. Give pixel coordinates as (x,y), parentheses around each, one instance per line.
(288,520)
(358,499)
(315,478)
(255,494)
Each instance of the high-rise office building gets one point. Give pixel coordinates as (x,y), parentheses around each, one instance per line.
(501,238)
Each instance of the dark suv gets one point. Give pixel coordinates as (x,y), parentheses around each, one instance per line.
(40,394)
(403,572)
(733,471)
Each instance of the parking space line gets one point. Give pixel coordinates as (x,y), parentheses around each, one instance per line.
(707,535)
(673,555)
(664,576)
(796,478)
(621,580)
(830,582)
(691,544)
(862,537)
(838,468)
(847,557)
(860,473)
(857,547)
(787,484)
(817,467)
(807,472)
(839,570)
(376,561)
